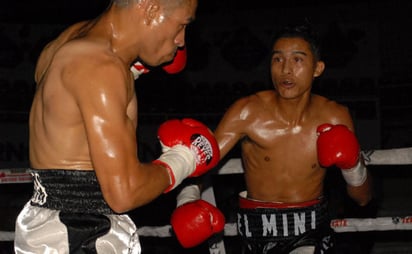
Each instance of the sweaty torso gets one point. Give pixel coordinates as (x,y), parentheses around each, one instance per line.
(58,137)
(281,164)
(280,157)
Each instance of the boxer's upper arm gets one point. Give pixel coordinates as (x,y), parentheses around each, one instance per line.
(103,94)
(339,114)
(232,127)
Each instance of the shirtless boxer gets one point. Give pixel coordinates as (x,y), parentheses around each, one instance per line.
(83,121)
(289,137)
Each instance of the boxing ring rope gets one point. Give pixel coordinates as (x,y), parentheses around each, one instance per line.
(398,156)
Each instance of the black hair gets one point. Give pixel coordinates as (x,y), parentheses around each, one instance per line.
(304,31)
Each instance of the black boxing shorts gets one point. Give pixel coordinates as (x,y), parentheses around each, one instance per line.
(268,227)
(67,214)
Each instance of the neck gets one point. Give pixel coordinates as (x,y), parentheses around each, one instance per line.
(116,32)
(293,111)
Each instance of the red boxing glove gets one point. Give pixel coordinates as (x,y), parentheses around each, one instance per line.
(138,69)
(178,63)
(196,221)
(337,145)
(189,149)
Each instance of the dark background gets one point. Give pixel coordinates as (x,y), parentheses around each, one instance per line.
(367,50)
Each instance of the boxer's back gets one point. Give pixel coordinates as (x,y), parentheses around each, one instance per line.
(57,135)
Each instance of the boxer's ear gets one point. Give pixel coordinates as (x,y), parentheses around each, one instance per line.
(151,11)
(319,68)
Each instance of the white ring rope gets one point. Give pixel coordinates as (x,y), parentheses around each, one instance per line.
(338,225)
(398,156)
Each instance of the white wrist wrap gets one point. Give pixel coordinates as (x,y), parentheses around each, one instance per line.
(180,162)
(355,176)
(188,194)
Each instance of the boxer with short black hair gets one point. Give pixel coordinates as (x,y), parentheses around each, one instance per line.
(289,137)
(83,122)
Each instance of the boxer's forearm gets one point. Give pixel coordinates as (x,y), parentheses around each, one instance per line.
(362,194)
